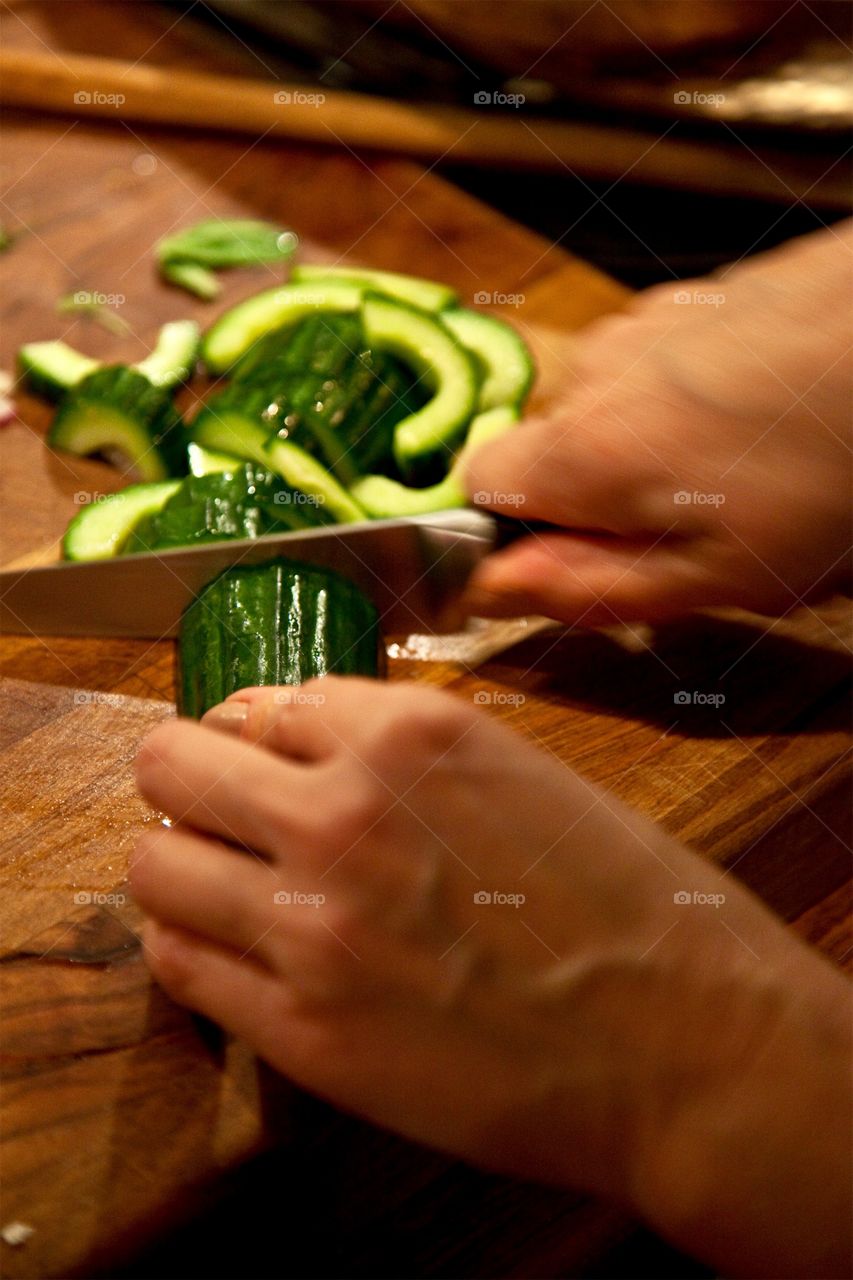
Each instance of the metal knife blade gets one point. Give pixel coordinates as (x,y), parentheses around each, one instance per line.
(413,569)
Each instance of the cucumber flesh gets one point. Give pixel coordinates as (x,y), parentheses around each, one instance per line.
(206,462)
(279,623)
(246,503)
(506,362)
(384,498)
(310,477)
(231,336)
(50,368)
(100,529)
(116,412)
(231,431)
(429,295)
(173,358)
(446,368)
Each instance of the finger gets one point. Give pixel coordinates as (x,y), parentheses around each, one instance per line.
(570,470)
(268,717)
(241,996)
(198,884)
(232,789)
(322,719)
(587,581)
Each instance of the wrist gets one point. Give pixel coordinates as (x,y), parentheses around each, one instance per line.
(747,1163)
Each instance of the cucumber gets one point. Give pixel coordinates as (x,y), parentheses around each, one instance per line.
(279,623)
(174,356)
(231,336)
(310,477)
(206,462)
(384,498)
(233,433)
(421,340)
(429,295)
(101,528)
(318,386)
(245,503)
(504,358)
(50,368)
(116,411)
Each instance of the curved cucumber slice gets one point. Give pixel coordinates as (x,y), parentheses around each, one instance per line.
(303,472)
(98,531)
(232,432)
(384,498)
(504,356)
(429,295)
(421,340)
(207,462)
(116,411)
(233,333)
(50,368)
(173,358)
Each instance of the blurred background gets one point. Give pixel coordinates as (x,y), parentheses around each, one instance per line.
(738,111)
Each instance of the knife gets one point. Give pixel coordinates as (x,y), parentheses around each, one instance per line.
(414,570)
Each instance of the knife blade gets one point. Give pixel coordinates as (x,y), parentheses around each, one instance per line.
(414,570)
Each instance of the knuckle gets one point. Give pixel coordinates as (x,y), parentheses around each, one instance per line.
(352,805)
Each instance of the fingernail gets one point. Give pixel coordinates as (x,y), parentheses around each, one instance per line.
(228,717)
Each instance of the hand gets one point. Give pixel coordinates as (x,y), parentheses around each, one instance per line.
(582,1027)
(704,459)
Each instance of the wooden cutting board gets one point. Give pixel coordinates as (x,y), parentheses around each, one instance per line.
(122,1112)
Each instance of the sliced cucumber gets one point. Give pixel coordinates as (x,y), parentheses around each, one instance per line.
(506,362)
(429,295)
(173,358)
(233,430)
(446,368)
(384,498)
(99,530)
(310,477)
(206,462)
(273,624)
(233,333)
(245,503)
(115,411)
(50,368)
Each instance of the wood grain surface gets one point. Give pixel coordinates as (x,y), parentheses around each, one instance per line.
(122,1113)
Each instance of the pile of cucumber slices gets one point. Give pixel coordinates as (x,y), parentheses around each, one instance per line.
(345,394)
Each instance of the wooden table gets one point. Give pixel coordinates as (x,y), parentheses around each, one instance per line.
(122,1112)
